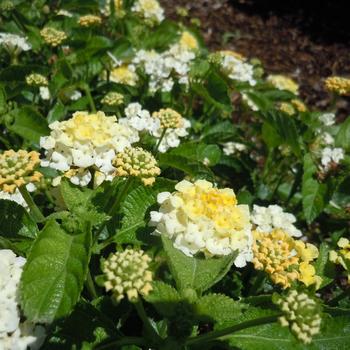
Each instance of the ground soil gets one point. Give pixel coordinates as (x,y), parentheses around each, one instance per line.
(308,40)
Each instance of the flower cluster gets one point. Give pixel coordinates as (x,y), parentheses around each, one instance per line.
(18,169)
(36,80)
(331,156)
(137,162)
(53,36)
(339,85)
(113,99)
(201,218)
(13,43)
(342,256)
(14,334)
(86,140)
(150,10)
(273,217)
(283,82)
(236,68)
(127,273)
(231,148)
(301,313)
(89,20)
(284,258)
(124,74)
(169,118)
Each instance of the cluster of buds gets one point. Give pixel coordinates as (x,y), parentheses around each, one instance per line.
(137,162)
(339,85)
(286,107)
(36,80)
(301,313)
(169,119)
(113,99)
(342,256)
(127,273)
(299,105)
(89,20)
(18,169)
(53,36)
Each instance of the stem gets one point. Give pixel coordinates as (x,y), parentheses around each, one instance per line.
(223,332)
(91,286)
(35,211)
(117,344)
(160,140)
(147,324)
(88,95)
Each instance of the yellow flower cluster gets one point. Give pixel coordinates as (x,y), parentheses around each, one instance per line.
(286,107)
(188,41)
(283,82)
(299,105)
(124,74)
(338,85)
(301,313)
(18,169)
(342,256)
(89,20)
(128,273)
(113,99)
(169,119)
(137,162)
(36,80)
(284,258)
(232,54)
(53,36)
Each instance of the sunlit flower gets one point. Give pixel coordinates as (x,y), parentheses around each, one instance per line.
(150,10)
(53,36)
(188,41)
(301,313)
(89,20)
(329,156)
(338,85)
(84,141)
(18,169)
(230,148)
(113,99)
(198,217)
(36,80)
(342,255)
(127,273)
(124,74)
(283,82)
(327,119)
(284,258)
(13,43)
(137,162)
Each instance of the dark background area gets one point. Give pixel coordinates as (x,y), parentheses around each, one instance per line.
(308,40)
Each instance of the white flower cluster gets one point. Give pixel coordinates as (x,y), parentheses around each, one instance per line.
(231,148)
(331,155)
(14,334)
(273,217)
(237,69)
(161,66)
(149,9)
(201,218)
(327,119)
(86,140)
(14,43)
(142,121)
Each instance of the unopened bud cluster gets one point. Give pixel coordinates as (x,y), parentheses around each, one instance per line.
(301,313)
(113,99)
(89,20)
(53,36)
(169,119)
(36,80)
(128,273)
(137,162)
(18,169)
(338,85)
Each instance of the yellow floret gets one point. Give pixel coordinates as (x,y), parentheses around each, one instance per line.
(283,82)
(53,36)
(89,20)
(188,41)
(124,75)
(338,85)
(169,118)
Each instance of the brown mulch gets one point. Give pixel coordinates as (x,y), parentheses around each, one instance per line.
(292,39)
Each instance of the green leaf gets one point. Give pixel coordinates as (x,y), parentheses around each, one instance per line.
(29,124)
(313,192)
(57,113)
(164,298)
(342,138)
(219,308)
(323,268)
(15,221)
(54,273)
(135,209)
(195,272)
(219,132)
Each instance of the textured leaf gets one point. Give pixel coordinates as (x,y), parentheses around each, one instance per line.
(54,274)
(195,272)
(313,192)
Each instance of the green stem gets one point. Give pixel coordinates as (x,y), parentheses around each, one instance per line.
(117,344)
(91,286)
(35,211)
(88,95)
(147,324)
(205,338)
(160,140)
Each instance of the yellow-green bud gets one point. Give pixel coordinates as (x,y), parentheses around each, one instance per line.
(113,99)
(169,119)
(53,36)
(36,80)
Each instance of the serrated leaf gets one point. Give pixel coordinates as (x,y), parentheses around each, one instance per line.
(313,192)
(195,272)
(164,298)
(54,273)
